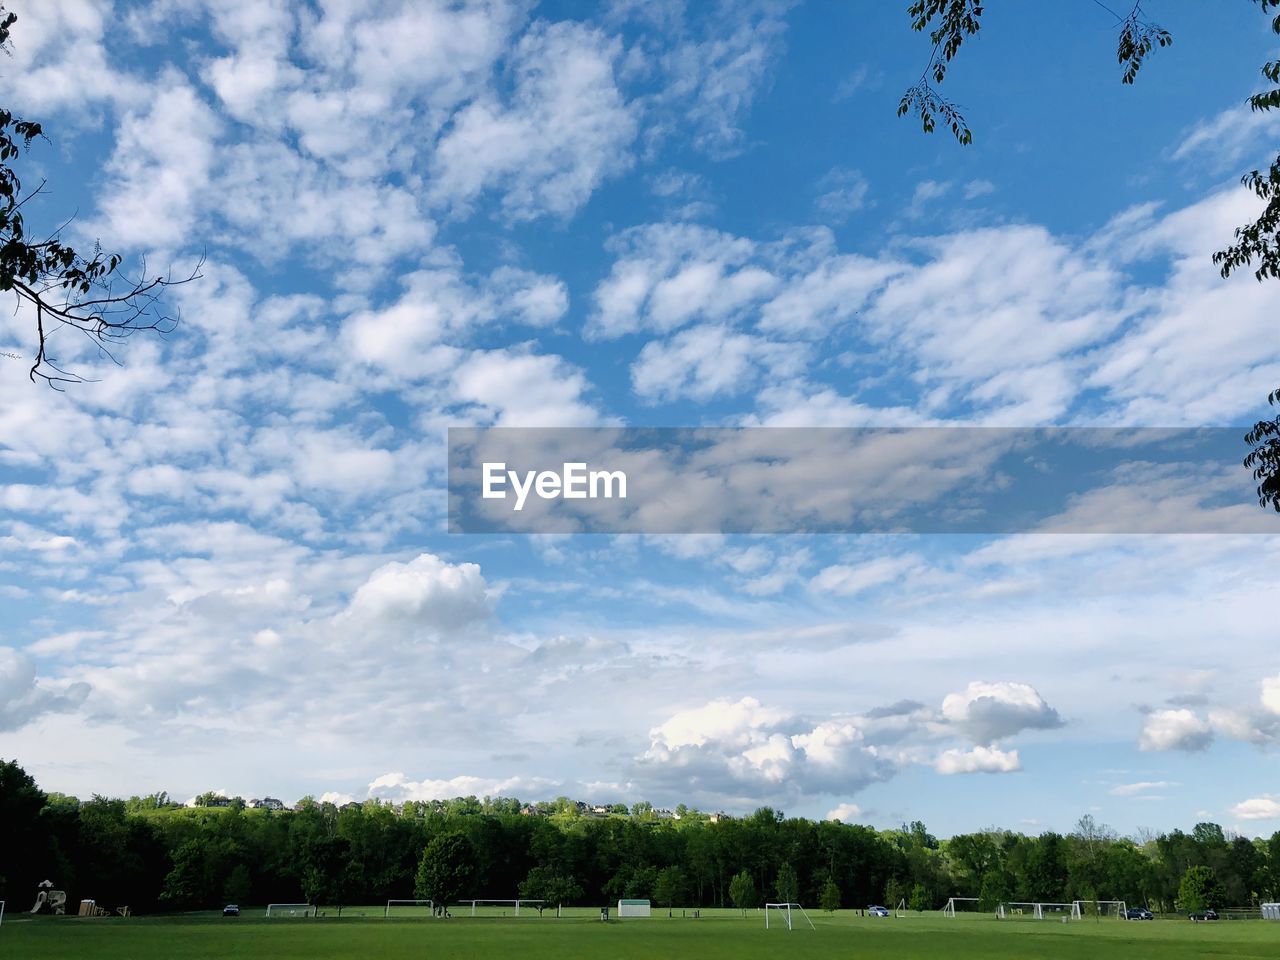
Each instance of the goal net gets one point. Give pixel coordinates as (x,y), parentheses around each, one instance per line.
(962,907)
(503,908)
(1060,911)
(1,912)
(1015,910)
(1102,909)
(409,909)
(901,909)
(785,914)
(290,910)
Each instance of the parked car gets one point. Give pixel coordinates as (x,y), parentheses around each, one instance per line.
(1139,913)
(877,911)
(1205,915)
(231,910)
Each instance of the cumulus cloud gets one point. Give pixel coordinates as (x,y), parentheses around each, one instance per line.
(1265,807)
(397,788)
(565,129)
(426,592)
(1174,730)
(707,361)
(514,388)
(978,760)
(742,749)
(845,812)
(24,698)
(987,712)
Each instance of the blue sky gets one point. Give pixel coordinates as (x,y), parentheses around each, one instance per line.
(224,565)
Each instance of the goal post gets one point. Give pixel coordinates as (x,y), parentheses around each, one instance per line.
(1060,911)
(901,909)
(634,908)
(958,905)
(503,905)
(1026,910)
(412,909)
(1,912)
(291,910)
(788,914)
(1102,909)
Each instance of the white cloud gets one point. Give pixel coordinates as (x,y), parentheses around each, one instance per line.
(992,711)
(397,788)
(24,698)
(713,79)
(845,812)
(978,188)
(668,275)
(1265,807)
(743,749)
(514,389)
(925,193)
(1140,788)
(1271,694)
(1174,730)
(842,193)
(425,593)
(1228,138)
(848,580)
(565,130)
(162,162)
(707,361)
(978,760)
(60,58)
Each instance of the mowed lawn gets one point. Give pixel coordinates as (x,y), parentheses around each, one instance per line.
(843,935)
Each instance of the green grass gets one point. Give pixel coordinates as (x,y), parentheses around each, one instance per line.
(719,934)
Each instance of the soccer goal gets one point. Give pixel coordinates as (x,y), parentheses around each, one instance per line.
(901,909)
(1059,911)
(786,913)
(1015,910)
(961,906)
(1,912)
(409,909)
(502,908)
(291,910)
(1103,909)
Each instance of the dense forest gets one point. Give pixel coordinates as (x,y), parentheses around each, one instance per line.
(155,855)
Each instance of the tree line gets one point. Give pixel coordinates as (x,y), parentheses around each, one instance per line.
(156,855)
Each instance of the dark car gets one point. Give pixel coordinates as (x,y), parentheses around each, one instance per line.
(1205,915)
(231,910)
(1139,913)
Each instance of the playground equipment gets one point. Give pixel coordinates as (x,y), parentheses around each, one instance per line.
(49,900)
(90,908)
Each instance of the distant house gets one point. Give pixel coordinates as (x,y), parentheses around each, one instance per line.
(219,802)
(267,803)
(600,809)
(529,810)
(350,805)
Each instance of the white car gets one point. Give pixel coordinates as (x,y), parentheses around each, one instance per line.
(877,911)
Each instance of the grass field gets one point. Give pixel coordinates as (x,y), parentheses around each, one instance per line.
(717,935)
